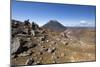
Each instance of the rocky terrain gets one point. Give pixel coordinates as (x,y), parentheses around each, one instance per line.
(34,45)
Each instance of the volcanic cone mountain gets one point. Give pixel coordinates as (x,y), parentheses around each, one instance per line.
(54,26)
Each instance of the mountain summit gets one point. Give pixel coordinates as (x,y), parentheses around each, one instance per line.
(54,25)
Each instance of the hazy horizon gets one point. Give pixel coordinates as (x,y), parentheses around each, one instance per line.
(41,13)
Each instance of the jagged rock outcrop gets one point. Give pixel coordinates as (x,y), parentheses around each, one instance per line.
(21,36)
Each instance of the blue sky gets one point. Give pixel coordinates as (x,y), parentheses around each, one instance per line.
(41,13)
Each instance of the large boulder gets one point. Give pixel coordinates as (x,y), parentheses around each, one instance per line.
(32,32)
(15,45)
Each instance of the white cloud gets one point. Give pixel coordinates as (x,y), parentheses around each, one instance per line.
(83,22)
